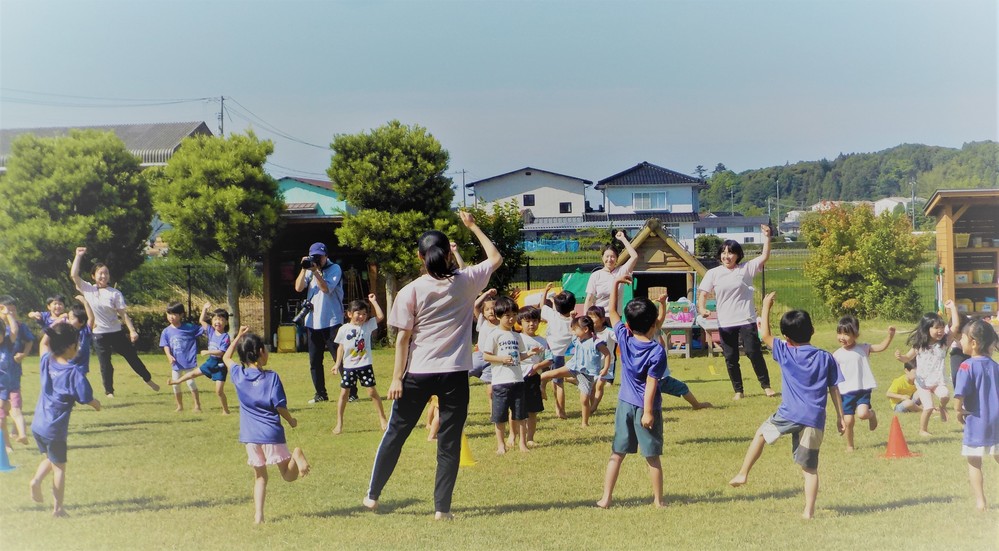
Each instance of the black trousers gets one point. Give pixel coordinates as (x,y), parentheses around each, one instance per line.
(751,342)
(105,344)
(320,340)
(451,390)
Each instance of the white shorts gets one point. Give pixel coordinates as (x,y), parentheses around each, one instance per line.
(925,394)
(178,373)
(979,451)
(259,455)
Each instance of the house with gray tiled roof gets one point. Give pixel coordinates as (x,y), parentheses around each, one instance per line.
(152,143)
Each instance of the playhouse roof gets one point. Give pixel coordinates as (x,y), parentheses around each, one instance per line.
(658,252)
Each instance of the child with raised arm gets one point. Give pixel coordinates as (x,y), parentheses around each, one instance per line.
(852,357)
(900,392)
(63,385)
(976,401)
(532,366)
(23,341)
(55,310)
(82,318)
(603,332)
(558,316)
(485,323)
(638,421)
(262,405)
(808,374)
(218,343)
(929,343)
(353,357)
(179,341)
(590,361)
(669,385)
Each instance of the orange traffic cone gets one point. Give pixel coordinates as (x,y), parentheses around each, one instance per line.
(466,459)
(897,448)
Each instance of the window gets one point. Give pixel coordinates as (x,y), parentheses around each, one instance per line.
(528,199)
(699,230)
(722,229)
(748,229)
(652,200)
(749,240)
(565,208)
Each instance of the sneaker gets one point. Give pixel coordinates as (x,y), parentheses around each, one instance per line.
(109,395)
(352,399)
(319,399)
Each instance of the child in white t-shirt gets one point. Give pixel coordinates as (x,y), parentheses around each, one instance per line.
(353,357)
(529,318)
(858,380)
(558,316)
(604,333)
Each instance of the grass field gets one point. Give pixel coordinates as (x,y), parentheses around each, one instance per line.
(141,476)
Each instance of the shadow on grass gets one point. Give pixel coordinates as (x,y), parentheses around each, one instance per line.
(143,504)
(898,504)
(717,440)
(143,422)
(384,507)
(100,430)
(90,446)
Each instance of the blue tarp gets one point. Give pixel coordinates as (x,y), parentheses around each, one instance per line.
(552,245)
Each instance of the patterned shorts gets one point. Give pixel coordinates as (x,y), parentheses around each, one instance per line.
(805,441)
(350,377)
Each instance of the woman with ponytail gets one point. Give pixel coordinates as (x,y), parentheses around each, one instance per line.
(433,354)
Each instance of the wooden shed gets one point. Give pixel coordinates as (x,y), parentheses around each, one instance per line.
(967,243)
(664,263)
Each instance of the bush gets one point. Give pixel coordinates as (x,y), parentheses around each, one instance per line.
(707,245)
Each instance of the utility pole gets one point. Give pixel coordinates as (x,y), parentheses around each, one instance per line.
(222,116)
(778,204)
(464,192)
(912,202)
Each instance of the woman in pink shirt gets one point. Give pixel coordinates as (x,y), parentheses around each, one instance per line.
(433,354)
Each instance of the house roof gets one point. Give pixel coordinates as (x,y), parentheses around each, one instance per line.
(322,184)
(648,174)
(959,197)
(527,169)
(153,143)
(730,221)
(654,230)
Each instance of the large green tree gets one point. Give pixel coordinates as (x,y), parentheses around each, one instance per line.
(394,177)
(503,223)
(220,203)
(864,264)
(59,193)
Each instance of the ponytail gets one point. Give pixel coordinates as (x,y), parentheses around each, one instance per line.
(435,249)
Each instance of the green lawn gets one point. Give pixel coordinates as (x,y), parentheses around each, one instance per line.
(141,476)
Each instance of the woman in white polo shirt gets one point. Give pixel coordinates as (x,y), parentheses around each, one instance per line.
(732,284)
(433,354)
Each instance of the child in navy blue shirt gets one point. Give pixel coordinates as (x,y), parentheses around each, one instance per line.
(179,341)
(262,404)
(218,342)
(55,311)
(62,386)
(82,319)
(807,375)
(977,402)
(23,340)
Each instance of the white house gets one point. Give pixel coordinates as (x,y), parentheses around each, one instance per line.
(742,229)
(546,194)
(889,204)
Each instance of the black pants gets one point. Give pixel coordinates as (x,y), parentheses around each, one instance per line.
(105,344)
(320,340)
(957,357)
(751,342)
(451,390)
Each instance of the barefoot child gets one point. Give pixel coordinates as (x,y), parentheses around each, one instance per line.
(529,318)
(638,421)
(218,343)
(262,404)
(23,341)
(669,385)
(179,341)
(606,334)
(929,344)
(80,317)
(8,334)
(62,386)
(353,357)
(807,374)
(976,401)
(558,316)
(853,359)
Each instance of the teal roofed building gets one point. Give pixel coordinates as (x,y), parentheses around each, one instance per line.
(309,198)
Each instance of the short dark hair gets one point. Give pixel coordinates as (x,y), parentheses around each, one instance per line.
(357,305)
(909,366)
(62,336)
(175,308)
(733,247)
(848,325)
(596,311)
(641,314)
(504,305)
(797,326)
(80,313)
(582,321)
(565,302)
(221,313)
(249,348)
(532,313)
(984,335)
(55,298)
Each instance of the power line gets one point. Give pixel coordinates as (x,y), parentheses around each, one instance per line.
(301,172)
(271,127)
(94,98)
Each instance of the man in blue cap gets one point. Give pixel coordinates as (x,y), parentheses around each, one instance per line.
(323,279)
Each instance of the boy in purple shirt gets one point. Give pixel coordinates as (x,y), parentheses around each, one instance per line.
(62,386)
(638,421)
(179,341)
(807,375)
(977,402)
(218,343)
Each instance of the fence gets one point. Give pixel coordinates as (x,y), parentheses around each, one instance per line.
(784,273)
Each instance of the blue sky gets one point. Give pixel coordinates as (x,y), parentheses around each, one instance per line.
(582,88)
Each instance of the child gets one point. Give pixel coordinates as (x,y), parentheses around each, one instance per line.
(590,360)
(55,311)
(485,323)
(218,343)
(901,390)
(262,404)
(559,334)
(852,358)
(7,338)
(604,333)
(179,341)
(354,356)
(504,350)
(80,317)
(433,418)
(669,385)
(929,344)
(23,340)
(638,421)
(977,402)
(529,318)
(957,355)
(806,374)
(63,386)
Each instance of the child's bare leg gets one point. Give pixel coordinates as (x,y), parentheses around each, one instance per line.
(811,491)
(259,493)
(5,435)
(610,479)
(532,425)
(598,393)
(377,400)
(196,396)
(517,429)
(656,477)
(584,407)
(943,408)
(694,402)
(559,400)
(434,426)
(178,398)
(220,392)
(977,480)
(58,488)
(865,412)
(752,455)
(36,483)
(848,422)
(500,438)
(341,406)
(294,467)
(18,416)
(924,420)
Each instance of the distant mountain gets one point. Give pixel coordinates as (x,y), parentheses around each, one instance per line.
(855,176)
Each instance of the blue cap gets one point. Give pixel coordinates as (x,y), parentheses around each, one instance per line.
(317,248)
